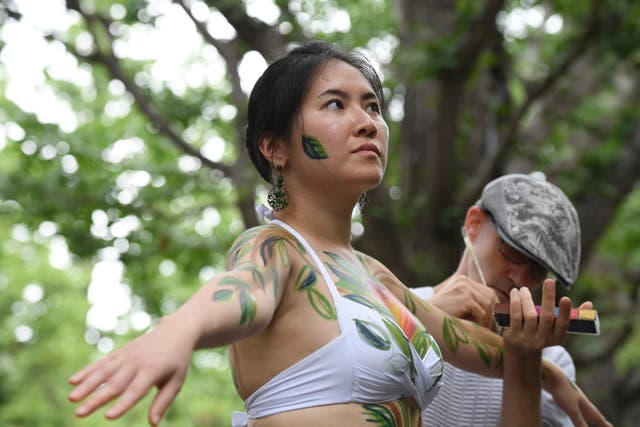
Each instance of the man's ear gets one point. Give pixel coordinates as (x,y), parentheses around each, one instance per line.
(474,221)
(273,149)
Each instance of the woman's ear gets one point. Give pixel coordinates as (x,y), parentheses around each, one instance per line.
(273,149)
(474,221)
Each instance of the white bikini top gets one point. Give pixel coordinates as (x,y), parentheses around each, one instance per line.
(371,361)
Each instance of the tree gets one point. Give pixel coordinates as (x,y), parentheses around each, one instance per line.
(152,173)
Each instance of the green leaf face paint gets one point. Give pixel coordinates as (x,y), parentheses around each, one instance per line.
(313,148)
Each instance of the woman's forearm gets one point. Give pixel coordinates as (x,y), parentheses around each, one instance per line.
(464,344)
(521,389)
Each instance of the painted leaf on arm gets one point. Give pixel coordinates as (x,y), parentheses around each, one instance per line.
(247,307)
(453,335)
(482,352)
(222,295)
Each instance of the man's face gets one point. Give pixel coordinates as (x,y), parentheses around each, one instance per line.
(505,267)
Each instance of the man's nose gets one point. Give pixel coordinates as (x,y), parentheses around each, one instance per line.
(520,275)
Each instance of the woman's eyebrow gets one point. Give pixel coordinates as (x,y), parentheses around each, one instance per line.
(342,94)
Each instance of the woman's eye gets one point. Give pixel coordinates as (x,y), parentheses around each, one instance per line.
(374,107)
(335,104)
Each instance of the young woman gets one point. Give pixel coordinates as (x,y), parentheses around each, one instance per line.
(322,335)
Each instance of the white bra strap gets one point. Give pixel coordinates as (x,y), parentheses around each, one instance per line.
(323,270)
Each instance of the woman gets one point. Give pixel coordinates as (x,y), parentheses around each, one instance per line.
(320,334)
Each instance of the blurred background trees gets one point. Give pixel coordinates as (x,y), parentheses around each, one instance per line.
(123,177)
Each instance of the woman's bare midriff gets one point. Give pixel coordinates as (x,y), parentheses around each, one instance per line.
(346,415)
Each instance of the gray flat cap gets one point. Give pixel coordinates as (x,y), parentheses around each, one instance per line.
(536,217)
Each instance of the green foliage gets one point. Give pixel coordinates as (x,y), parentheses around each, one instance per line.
(114,185)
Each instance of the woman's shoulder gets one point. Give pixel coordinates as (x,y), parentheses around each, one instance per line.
(372,264)
(378,269)
(264,239)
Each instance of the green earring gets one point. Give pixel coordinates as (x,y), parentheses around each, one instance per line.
(278,198)
(362,203)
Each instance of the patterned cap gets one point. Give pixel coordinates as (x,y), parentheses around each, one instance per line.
(536,217)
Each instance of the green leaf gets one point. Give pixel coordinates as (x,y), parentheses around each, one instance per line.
(223,295)
(380,415)
(306,278)
(321,304)
(453,335)
(373,334)
(313,148)
(248,307)
(482,352)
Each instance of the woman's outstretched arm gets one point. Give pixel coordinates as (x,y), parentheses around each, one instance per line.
(474,348)
(231,306)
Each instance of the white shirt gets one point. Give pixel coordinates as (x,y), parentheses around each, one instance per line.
(466,399)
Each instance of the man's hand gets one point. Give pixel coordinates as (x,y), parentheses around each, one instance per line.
(463,297)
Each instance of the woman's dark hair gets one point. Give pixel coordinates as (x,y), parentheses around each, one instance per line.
(277,96)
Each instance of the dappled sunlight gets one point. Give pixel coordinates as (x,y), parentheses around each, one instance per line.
(517,23)
(123,149)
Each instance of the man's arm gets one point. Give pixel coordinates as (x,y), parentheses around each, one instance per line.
(462,297)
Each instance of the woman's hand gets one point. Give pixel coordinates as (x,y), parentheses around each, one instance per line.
(159,358)
(530,331)
(567,395)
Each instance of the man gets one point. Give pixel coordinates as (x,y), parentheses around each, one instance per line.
(522,229)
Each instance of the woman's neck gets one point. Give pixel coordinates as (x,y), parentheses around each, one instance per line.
(325,225)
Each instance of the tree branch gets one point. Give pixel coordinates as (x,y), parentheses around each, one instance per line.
(112,63)
(477,38)
(256,34)
(534,92)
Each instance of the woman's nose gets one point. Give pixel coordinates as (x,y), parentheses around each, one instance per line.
(365,125)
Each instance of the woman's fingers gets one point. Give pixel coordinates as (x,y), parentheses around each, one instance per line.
(91,378)
(547,310)
(515,311)
(111,387)
(163,399)
(562,320)
(529,313)
(135,390)
(538,328)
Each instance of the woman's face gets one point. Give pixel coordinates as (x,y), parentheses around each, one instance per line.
(340,139)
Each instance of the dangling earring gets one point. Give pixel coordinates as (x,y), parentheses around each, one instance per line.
(362,203)
(278,198)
